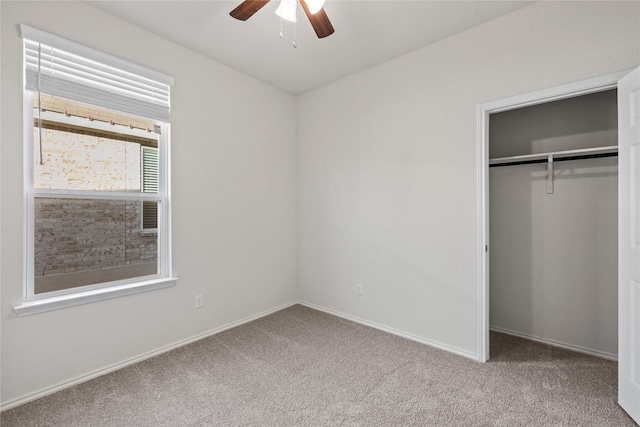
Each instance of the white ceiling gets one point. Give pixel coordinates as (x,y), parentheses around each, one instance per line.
(366,33)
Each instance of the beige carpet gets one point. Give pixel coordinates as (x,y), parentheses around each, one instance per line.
(301,367)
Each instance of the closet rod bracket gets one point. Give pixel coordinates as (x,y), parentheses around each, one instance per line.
(550,174)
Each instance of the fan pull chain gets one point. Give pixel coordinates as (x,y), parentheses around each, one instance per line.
(295,11)
(295,44)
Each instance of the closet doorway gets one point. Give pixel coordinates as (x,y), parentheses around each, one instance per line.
(564,177)
(553,223)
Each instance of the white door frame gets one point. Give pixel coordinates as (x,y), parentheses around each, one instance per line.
(583,87)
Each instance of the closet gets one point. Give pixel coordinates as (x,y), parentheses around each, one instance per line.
(553,222)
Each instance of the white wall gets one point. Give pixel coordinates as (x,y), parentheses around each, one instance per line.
(234,208)
(387,163)
(554,264)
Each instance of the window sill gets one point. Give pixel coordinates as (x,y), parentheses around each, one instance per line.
(78,298)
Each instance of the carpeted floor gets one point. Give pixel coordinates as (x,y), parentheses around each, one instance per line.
(302,367)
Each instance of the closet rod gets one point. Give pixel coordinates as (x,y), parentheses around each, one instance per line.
(555,159)
(585,153)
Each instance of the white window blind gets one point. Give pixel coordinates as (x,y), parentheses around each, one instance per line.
(63,68)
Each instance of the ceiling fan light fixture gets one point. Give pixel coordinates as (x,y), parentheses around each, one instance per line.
(315,5)
(287,10)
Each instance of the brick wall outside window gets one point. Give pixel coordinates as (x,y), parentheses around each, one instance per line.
(73,235)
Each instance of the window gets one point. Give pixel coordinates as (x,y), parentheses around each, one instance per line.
(96,175)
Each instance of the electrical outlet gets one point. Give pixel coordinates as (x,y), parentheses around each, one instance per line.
(359,290)
(199,301)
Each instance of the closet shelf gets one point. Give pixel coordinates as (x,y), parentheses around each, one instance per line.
(583,153)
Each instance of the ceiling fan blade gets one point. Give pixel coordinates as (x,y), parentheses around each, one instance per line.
(247,8)
(319,21)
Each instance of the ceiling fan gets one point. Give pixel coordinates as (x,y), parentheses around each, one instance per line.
(312,8)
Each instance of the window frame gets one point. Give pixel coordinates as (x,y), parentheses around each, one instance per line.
(37,303)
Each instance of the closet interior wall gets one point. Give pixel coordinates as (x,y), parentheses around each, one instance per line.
(553,259)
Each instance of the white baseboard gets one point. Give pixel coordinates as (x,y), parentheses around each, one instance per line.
(393,331)
(111,368)
(560,344)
